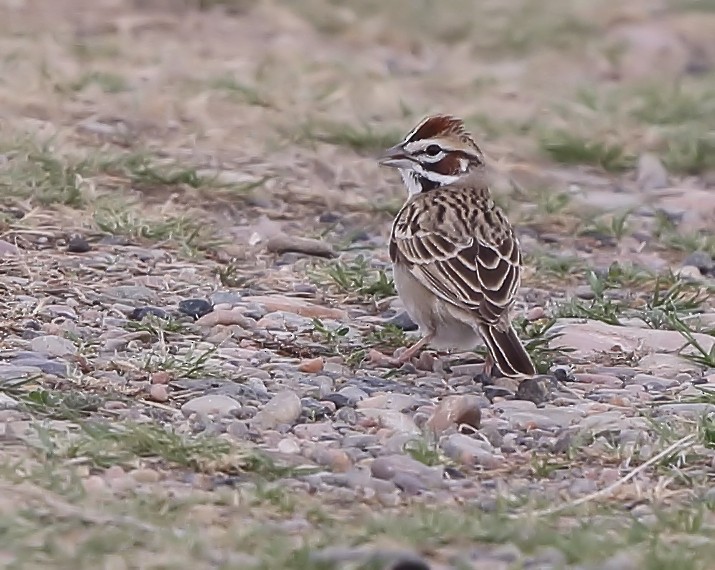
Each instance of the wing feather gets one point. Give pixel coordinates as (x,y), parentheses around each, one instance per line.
(468,256)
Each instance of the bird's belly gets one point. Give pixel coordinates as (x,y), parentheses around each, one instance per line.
(451,329)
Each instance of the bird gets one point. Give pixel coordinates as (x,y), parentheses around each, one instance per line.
(455,257)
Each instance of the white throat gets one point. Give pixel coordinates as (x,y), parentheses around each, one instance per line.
(413,180)
(412,183)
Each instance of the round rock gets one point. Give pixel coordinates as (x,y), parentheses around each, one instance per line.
(210,404)
(195,308)
(78,244)
(52,345)
(283,408)
(454,411)
(140,312)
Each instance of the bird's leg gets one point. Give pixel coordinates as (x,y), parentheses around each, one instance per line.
(485,376)
(411,351)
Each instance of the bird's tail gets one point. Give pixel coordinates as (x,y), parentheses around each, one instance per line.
(508,353)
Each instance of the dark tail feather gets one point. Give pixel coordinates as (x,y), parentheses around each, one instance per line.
(508,353)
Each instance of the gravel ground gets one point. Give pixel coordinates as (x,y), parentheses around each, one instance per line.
(197,310)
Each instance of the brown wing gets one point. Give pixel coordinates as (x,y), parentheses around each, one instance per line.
(462,248)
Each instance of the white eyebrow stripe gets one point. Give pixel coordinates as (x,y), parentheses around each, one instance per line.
(413,131)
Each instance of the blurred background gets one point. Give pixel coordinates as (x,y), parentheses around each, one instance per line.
(229,109)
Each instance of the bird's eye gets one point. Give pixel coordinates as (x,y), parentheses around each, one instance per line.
(433,150)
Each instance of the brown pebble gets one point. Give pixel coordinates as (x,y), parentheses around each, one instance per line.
(535,313)
(145,475)
(336,459)
(619,401)
(159,393)
(456,410)
(311,365)
(426,361)
(160,377)
(225,317)
(282,243)
(296,306)
(94,484)
(600,379)
(378,358)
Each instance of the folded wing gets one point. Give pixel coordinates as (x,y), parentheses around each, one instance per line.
(459,246)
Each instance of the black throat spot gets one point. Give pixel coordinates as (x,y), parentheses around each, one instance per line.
(426,184)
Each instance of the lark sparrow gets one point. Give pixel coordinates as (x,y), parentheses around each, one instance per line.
(456,260)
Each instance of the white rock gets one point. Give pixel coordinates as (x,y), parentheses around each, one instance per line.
(210,404)
(52,345)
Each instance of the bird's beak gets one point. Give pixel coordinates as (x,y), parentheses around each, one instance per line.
(395,157)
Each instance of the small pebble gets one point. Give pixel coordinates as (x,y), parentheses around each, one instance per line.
(145,475)
(283,408)
(690,272)
(226,317)
(456,410)
(403,321)
(469,451)
(195,308)
(160,377)
(288,445)
(311,365)
(210,404)
(140,312)
(94,485)
(78,244)
(336,459)
(339,400)
(52,345)
(535,313)
(700,259)
(159,393)
(651,174)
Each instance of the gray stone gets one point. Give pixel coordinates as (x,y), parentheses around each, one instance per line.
(653,383)
(195,307)
(390,466)
(534,390)
(611,420)
(469,451)
(59,311)
(700,259)
(547,418)
(688,410)
(353,394)
(403,321)
(392,419)
(258,386)
(53,367)
(667,365)
(8,402)
(388,402)
(210,404)
(52,345)
(283,408)
(651,174)
(132,293)
(225,298)
(470,370)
